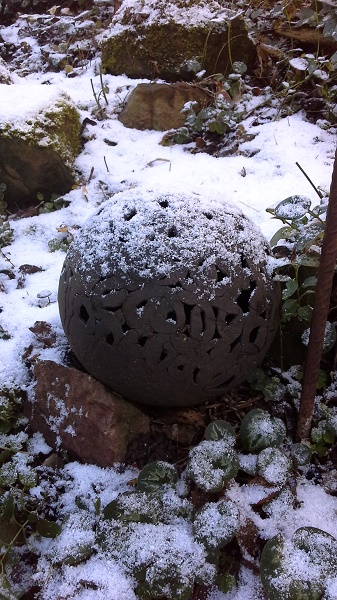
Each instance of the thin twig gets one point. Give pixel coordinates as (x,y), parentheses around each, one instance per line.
(91,174)
(107,168)
(102,85)
(320,195)
(6,258)
(95,95)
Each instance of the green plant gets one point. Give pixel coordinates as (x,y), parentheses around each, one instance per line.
(56,202)
(173,534)
(324,434)
(259,431)
(220,117)
(155,475)
(300,567)
(300,239)
(212,464)
(216,523)
(61,244)
(101,94)
(274,466)
(20,516)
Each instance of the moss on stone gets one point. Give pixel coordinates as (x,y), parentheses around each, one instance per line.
(163,50)
(57,127)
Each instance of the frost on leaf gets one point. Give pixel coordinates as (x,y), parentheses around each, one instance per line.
(212,464)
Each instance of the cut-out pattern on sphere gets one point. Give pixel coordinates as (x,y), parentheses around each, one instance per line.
(166,299)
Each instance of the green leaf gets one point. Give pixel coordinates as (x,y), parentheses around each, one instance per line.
(305,313)
(318,551)
(329,337)
(212,464)
(218,127)
(292,208)
(308,261)
(156,474)
(274,390)
(310,235)
(257,379)
(216,523)
(291,287)
(207,113)
(309,282)
(5,454)
(322,381)
(48,529)
(225,582)
(282,234)
(135,507)
(239,67)
(328,437)
(301,454)
(9,508)
(289,309)
(259,431)
(220,430)
(274,466)
(6,590)
(32,517)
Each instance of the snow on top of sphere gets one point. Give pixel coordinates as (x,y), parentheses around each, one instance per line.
(149,234)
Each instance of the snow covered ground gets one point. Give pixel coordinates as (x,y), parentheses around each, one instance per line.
(137,160)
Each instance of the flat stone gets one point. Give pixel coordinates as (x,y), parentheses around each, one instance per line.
(79,414)
(158,105)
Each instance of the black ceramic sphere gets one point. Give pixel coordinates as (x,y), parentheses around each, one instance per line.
(166,298)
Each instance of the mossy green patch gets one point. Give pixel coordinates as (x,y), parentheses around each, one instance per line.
(166,50)
(57,127)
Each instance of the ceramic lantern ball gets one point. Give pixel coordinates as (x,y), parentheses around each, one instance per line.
(166,297)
